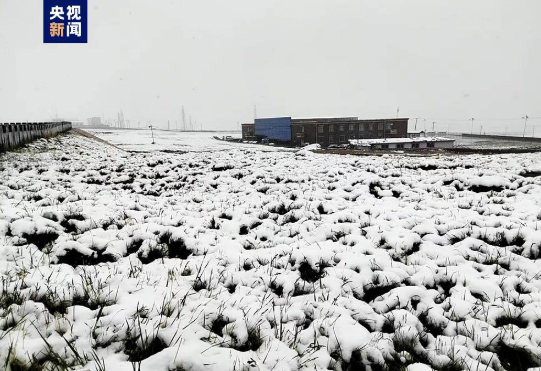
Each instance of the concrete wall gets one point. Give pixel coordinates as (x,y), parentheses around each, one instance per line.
(14,135)
(445,144)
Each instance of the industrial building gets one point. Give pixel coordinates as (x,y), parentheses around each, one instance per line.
(248,132)
(324,131)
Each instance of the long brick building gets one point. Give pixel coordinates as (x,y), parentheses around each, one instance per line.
(325,131)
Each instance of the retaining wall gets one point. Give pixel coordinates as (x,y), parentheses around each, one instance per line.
(14,135)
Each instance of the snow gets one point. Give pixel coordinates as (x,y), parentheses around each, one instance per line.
(165,140)
(368,142)
(198,254)
(312,147)
(489,181)
(307,150)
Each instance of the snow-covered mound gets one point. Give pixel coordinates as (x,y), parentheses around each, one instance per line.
(237,259)
(307,150)
(312,147)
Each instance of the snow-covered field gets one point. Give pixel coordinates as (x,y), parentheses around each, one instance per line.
(141,140)
(237,259)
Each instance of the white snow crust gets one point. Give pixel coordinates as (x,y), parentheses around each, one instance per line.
(233,258)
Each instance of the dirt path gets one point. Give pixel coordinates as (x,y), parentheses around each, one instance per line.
(93,137)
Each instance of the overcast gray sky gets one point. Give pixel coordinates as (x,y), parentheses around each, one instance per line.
(440,60)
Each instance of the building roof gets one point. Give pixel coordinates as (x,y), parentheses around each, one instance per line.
(368,142)
(345,120)
(320,119)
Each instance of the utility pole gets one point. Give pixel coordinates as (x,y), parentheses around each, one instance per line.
(416,123)
(167,124)
(525,121)
(397,110)
(434,127)
(472,125)
(255,112)
(152,131)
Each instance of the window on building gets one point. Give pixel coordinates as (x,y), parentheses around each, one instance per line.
(331,128)
(370,127)
(361,127)
(384,146)
(414,145)
(380,126)
(430,144)
(302,129)
(331,139)
(320,138)
(342,138)
(342,128)
(320,128)
(389,126)
(352,136)
(400,145)
(351,127)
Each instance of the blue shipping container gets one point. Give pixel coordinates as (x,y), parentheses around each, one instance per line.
(277,128)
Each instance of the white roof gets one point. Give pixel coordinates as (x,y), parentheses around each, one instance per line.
(368,142)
